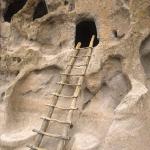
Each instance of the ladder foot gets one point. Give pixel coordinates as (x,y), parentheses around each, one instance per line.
(35,148)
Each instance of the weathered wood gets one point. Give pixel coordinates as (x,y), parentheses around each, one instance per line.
(65,74)
(35,148)
(62,108)
(78,65)
(51,135)
(92,41)
(64,96)
(45,123)
(68,84)
(82,48)
(80,56)
(62,143)
(42,132)
(56,120)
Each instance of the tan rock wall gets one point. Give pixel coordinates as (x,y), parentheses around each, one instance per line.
(114,103)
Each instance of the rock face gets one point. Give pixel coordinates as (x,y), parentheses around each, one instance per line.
(37,38)
(85,142)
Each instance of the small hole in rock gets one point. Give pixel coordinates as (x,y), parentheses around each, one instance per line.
(104,84)
(114,33)
(16,73)
(66,2)
(17,59)
(3,94)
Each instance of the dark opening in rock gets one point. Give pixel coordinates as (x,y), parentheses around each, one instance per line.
(66,2)
(40,10)
(84,31)
(13,8)
(145,55)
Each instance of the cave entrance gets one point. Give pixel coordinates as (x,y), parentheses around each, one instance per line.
(40,10)
(13,8)
(84,31)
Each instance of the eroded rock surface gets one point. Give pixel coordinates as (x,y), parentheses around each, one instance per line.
(37,38)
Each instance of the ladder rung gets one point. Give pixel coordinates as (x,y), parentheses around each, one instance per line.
(82,48)
(72,74)
(62,108)
(58,95)
(55,120)
(35,148)
(51,135)
(80,56)
(68,84)
(77,65)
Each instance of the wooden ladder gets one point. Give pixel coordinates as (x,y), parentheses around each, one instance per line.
(55,97)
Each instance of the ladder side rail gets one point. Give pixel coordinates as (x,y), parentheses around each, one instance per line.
(62,143)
